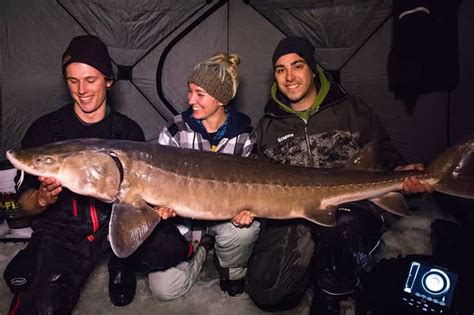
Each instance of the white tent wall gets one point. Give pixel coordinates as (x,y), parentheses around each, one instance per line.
(36,32)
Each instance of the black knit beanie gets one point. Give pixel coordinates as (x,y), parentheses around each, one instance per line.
(207,77)
(90,50)
(297,45)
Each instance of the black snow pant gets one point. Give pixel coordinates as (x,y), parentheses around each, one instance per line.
(48,275)
(289,255)
(278,273)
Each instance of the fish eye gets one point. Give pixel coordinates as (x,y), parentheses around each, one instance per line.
(48,160)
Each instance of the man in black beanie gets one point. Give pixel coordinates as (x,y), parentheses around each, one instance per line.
(90,50)
(311,121)
(69,230)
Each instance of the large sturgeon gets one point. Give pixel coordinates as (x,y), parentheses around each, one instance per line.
(211,186)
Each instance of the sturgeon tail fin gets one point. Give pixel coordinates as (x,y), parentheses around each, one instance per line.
(456,166)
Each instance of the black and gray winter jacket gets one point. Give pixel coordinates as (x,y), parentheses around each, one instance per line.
(330,137)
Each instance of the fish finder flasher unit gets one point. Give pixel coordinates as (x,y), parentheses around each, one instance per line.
(428,288)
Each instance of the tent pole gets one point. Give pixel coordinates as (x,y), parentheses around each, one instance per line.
(171,44)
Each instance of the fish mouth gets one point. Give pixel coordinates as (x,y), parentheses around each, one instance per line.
(12,158)
(10,154)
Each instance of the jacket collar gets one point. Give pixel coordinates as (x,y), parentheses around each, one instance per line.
(238,123)
(334,95)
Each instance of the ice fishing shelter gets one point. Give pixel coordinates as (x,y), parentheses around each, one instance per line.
(155,44)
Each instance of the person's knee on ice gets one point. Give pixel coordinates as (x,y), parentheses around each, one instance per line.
(20,271)
(174,282)
(271,284)
(233,245)
(166,289)
(53,293)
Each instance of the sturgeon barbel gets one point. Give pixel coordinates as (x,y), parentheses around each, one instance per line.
(135,176)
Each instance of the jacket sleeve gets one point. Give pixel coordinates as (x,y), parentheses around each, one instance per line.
(259,137)
(249,145)
(166,138)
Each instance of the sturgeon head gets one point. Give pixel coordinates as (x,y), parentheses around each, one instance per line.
(78,165)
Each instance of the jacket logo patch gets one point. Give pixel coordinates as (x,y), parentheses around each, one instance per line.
(18,281)
(283,138)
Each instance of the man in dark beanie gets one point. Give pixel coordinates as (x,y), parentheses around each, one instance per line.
(311,121)
(70,231)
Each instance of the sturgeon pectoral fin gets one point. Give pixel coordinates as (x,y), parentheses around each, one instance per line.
(129,226)
(325,217)
(393,202)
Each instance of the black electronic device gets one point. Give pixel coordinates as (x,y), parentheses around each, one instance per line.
(428,289)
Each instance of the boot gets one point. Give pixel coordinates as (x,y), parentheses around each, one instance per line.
(232,287)
(122,281)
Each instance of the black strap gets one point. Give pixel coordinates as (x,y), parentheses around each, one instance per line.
(117,126)
(57,128)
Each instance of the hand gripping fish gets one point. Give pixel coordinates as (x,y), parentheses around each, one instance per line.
(209,186)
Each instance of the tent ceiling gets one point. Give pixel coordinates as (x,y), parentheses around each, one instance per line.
(336,28)
(121,24)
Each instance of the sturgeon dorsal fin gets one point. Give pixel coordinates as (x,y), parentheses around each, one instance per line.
(129,226)
(393,202)
(325,217)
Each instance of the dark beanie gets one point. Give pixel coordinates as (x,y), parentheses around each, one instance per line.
(90,50)
(297,45)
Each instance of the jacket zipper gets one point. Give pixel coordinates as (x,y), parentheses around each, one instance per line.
(308,145)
